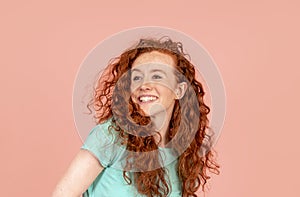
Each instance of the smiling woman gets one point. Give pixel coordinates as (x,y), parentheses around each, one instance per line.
(151,137)
(153,79)
(153,84)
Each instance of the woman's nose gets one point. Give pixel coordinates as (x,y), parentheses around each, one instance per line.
(145,86)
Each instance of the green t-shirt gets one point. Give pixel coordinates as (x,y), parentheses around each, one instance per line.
(111,155)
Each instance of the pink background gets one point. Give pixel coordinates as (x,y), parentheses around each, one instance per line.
(254,43)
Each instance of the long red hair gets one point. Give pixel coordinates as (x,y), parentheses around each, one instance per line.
(195,160)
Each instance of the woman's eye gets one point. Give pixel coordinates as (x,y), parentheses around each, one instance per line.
(136,78)
(156,77)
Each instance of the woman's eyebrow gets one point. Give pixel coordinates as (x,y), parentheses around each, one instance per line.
(137,70)
(158,70)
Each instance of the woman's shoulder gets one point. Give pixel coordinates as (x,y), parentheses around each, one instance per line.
(104,129)
(102,142)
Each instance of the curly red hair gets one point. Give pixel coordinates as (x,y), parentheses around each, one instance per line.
(196,159)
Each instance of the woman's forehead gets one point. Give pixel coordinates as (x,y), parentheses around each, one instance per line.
(153,67)
(154,57)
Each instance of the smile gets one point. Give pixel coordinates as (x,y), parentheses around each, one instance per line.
(147,98)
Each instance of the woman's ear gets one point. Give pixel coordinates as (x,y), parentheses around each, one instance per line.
(180,90)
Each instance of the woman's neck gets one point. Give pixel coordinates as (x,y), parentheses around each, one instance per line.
(161,122)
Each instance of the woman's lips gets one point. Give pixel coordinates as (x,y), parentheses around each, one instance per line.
(147,98)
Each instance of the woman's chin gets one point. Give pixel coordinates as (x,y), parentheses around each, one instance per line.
(153,109)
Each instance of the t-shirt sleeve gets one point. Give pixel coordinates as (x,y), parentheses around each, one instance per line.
(101,143)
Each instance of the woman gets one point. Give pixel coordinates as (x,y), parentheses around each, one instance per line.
(151,137)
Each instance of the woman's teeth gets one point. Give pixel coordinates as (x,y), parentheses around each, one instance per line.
(147,98)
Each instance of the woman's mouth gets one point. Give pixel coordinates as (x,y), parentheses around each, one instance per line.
(147,98)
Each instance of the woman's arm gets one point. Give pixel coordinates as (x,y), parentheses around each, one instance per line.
(82,172)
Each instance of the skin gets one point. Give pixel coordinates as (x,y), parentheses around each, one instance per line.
(81,173)
(154,79)
(85,167)
(153,76)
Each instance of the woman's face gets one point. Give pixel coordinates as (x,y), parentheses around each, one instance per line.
(153,82)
